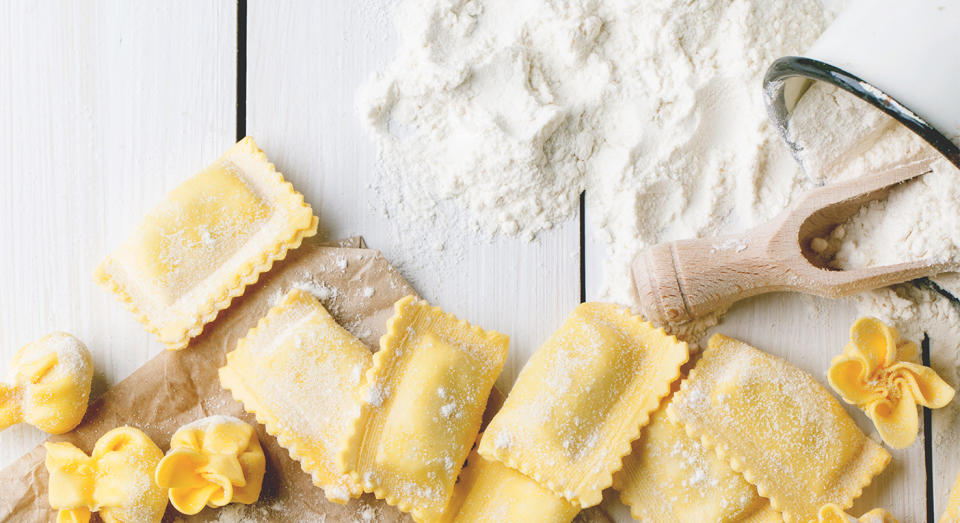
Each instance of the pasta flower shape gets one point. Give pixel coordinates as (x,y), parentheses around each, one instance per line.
(115,480)
(49,384)
(212,462)
(878,373)
(834,514)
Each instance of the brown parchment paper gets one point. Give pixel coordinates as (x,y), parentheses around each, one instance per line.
(175,388)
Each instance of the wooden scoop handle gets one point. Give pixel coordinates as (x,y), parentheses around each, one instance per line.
(680,281)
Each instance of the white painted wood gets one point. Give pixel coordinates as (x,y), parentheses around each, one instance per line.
(946,422)
(104,107)
(305,62)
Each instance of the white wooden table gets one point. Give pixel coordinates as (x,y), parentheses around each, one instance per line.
(107,105)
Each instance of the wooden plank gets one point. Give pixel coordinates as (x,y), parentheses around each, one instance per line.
(104,107)
(945,433)
(305,62)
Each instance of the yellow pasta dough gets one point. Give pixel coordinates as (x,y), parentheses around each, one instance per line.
(778,427)
(298,371)
(424,400)
(582,398)
(212,462)
(877,374)
(489,491)
(49,384)
(832,513)
(670,476)
(116,479)
(210,238)
(952,513)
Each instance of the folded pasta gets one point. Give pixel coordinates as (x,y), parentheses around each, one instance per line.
(298,372)
(778,427)
(49,384)
(212,462)
(116,479)
(582,398)
(670,476)
(424,401)
(490,491)
(210,238)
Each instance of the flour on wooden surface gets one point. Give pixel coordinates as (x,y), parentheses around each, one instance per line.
(494,115)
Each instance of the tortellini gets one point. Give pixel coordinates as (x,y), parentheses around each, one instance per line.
(212,462)
(875,373)
(116,479)
(49,384)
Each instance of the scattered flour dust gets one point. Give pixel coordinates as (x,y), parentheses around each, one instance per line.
(505,111)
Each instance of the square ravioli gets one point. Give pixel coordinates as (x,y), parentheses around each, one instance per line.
(299,373)
(212,236)
(670,476)
(490,491)
(777,426)
(582,398)
(424,402)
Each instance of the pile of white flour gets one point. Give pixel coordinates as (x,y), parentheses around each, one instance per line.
(506,111)
(500,112)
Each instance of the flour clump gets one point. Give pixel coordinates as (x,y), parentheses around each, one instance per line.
(507,110)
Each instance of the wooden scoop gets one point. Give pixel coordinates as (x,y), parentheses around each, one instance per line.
(680,281)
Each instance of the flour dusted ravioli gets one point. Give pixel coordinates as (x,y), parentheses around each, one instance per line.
(670,476)
(490,491)
(299,372)
(212,236)
(425,396)
(778,427)
(582,398)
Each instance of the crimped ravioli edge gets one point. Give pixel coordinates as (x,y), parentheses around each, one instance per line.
(614,461)
(697,432)
(357,433)
(248,273)
(232,381)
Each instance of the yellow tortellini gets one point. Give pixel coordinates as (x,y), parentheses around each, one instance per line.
(875,373)
(49,384)
(116,479)
(212,462)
